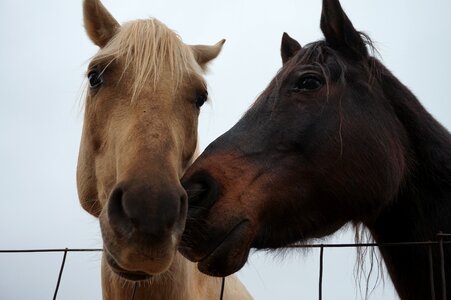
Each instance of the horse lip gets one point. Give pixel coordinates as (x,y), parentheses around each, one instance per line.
(208,262)
(231,231)
(134,276)
(129,275)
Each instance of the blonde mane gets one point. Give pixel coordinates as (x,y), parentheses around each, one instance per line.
(149,48)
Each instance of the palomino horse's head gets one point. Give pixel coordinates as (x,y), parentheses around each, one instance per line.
(139,135)
(320,147)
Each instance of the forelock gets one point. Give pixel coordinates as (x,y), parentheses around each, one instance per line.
(148,48)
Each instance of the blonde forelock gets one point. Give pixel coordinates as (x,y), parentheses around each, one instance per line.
(148,48)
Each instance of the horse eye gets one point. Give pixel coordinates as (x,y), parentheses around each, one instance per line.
(201,98)
(309,83)
(95,79)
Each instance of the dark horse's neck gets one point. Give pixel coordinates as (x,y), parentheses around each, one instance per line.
(422,207)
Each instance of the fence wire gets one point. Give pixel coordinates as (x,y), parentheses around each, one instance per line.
(440,243)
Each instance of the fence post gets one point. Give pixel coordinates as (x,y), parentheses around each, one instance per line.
(221,296)
(321,255)
(134,291)
(431,273)
(60,274)
(442,264)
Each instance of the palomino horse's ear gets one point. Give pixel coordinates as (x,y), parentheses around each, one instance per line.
(339,31)
(99,23)
(204,53)
(289,47)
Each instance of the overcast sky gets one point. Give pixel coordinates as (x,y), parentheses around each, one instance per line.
(43,55)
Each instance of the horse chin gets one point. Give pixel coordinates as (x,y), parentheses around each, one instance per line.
(137,261)
(231,254)
(138,258)
(125,274)
(138,266)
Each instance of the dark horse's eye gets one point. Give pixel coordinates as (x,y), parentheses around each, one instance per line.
(95,79)
(309,83)
(201,98)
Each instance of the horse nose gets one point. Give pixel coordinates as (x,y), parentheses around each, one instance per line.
(140,210)
(203,191)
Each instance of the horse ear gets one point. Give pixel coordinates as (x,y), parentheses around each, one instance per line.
(289,47)
(339,31)
(99,23)
(204,53)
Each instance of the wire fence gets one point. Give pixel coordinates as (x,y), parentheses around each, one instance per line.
(440,243)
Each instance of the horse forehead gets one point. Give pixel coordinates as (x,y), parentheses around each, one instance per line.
(148,50)
(312,52)
(316,56)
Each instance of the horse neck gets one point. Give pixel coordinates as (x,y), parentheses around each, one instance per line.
(422,207)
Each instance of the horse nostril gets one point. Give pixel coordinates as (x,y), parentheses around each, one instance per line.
(196,190)
(119,220)
(202,192)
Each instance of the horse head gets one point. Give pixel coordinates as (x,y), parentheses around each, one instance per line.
(320,147)
(145,91)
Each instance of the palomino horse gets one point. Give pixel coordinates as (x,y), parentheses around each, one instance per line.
(139,135)
(334,138)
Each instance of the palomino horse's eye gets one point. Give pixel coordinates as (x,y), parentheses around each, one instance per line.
(309,83)
(201,98)
(95,79)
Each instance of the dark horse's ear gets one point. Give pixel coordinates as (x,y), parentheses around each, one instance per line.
(289,47)
(339,32)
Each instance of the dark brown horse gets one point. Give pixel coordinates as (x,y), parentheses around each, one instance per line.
(334,138)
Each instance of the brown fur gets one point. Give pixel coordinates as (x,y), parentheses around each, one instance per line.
(335,138)
(139,135)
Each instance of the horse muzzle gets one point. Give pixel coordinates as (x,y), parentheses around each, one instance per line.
(141,228)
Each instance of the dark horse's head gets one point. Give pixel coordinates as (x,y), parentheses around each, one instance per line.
(320,147)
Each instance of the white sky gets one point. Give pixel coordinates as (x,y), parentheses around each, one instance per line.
(43,56)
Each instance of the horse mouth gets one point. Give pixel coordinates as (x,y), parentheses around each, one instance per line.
(230,254)
(125,274)
(134,276)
